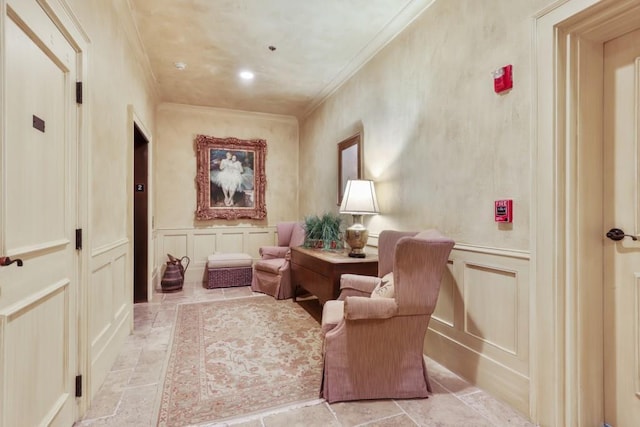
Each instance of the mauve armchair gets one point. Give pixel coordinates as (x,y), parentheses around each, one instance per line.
(373,345)
(272,273)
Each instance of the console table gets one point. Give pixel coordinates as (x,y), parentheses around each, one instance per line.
(318,271)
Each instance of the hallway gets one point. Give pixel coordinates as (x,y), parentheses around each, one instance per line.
(128,396)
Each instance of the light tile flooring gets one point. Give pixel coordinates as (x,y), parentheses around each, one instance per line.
(128,396)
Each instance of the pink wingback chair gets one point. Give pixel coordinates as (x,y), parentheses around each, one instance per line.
(373,344)
(272,273)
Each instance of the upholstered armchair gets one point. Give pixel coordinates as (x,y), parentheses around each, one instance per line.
(374,333)
(272,273)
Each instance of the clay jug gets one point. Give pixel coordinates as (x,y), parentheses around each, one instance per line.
(173,277)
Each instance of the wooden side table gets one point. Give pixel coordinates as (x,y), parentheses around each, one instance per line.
(318,271)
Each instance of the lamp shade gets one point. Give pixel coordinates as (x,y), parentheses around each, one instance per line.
(359,198)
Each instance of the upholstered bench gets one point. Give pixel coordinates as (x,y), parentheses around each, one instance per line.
(227,270)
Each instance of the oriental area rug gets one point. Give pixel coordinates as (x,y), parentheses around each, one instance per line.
(235,357)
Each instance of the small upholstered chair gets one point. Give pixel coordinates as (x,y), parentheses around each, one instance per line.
(272,273)
(374,333)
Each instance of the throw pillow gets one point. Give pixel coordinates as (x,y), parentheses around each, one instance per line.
(384,289)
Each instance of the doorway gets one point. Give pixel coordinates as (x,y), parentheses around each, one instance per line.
(41,181)
(140,216)
(571,196)
(622,253)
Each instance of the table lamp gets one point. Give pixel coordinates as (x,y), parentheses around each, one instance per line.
(359,199)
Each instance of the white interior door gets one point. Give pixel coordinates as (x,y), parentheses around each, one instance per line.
(622,211)
(38,338)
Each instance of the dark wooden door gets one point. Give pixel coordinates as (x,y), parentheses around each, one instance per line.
(140,217)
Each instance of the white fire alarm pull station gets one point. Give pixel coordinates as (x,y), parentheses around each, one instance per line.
(504,210)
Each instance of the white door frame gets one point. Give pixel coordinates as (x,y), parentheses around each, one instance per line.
(567,230)
(61,14)
(134,119)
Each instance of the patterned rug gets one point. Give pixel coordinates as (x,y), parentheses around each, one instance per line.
(234,357)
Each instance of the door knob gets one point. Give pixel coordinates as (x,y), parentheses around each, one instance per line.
(5,260)
(617,234)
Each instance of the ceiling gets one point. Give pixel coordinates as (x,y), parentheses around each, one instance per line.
(316,46)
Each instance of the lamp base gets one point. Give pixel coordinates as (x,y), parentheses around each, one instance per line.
(356,255)
(356,237)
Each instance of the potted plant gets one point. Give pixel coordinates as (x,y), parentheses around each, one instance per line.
(323,231)
(312,230)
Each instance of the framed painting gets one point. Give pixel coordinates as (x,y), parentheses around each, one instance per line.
(230,178)
(349,162)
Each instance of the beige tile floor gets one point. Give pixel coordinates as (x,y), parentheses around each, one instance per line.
(127,397)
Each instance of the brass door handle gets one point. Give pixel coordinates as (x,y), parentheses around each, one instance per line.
(5,261)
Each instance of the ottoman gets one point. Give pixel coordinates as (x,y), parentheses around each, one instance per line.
(227,270)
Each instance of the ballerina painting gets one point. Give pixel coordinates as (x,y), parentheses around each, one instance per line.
(230,178)
(229,174)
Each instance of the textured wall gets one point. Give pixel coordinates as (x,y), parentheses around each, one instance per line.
(117,82)
(439,143)
(176,165)
(116,79)
(442,146)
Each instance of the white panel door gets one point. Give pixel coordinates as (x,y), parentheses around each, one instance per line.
(621,211)
(38,324)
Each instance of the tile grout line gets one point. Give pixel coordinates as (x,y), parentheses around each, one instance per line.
(406,413)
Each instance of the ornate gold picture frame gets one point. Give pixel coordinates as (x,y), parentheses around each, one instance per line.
(230,179)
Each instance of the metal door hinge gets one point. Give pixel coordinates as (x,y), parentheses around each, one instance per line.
(78,238)
(78,92)
(78,385)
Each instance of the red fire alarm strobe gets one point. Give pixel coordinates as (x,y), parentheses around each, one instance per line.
(504,210)
(502,79)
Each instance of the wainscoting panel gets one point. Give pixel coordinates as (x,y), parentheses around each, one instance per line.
(174,244)
(258,238)
(203,245)
(101,295)
(34,344)
(491,287)
(110,308)
(445,310)
(231,241)
(199,243)
(156,263)
(480,328)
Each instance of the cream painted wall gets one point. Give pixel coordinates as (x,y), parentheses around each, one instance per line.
(176,165)
(116,78)
(439,143)
(442,146)
(117,84)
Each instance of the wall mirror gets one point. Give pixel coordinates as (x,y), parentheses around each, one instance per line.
(349,162)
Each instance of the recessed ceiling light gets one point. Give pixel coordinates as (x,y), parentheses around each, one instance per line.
(180,65)
(246,75)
